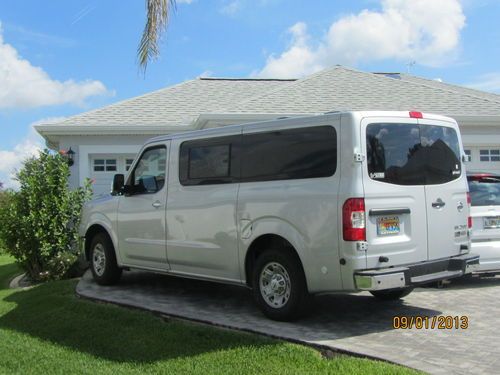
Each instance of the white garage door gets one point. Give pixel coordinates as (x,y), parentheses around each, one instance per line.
(104,166)
(483,158)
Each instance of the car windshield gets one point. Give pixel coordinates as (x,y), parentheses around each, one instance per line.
(484,190)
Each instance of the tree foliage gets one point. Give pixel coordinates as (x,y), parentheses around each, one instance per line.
(158,12)
(39,224)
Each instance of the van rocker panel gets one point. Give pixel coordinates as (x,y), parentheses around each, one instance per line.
(416,274)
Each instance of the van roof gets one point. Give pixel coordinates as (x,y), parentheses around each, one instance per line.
(231,128)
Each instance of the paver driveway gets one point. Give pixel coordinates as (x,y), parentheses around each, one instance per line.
(355,322)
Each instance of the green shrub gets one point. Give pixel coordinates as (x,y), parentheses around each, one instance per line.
(39,225)
(4,201)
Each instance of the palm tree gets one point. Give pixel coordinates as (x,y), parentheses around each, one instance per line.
(158,12)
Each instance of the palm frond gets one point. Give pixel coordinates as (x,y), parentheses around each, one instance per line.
(158,12)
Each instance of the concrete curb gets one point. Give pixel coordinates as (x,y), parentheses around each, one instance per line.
(15,282)
(21,282)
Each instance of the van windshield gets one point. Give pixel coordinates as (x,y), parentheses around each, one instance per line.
(411,154)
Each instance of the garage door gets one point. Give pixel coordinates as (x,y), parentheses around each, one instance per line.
(483,158)
(104,166)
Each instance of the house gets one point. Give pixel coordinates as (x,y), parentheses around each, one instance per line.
(106,140)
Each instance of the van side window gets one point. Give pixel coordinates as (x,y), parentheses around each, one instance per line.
(148,175)
(289,154)
(410,154)
(209,161)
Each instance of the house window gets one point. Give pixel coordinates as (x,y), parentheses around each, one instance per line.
(469,154)
(489,155)
(128,164)
(104,165)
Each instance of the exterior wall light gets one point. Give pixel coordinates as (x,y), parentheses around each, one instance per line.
(69,155)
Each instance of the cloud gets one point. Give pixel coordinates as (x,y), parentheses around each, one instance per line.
(487,82)
(206,74)
(426,31)
(298,60)
(231,8)
(26,86)
(11,160)
(184,1)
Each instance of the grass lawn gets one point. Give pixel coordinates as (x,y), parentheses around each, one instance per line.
(47,330)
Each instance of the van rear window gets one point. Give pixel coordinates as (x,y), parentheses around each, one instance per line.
(410,154)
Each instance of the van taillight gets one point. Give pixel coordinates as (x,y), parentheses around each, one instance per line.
(469,218)
(353,219)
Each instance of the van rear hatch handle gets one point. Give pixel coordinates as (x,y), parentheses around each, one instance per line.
(438,204)
(388,211)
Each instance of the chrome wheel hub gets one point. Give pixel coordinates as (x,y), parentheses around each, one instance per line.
(99,259)
(275,286)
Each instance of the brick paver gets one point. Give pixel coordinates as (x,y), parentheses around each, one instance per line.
(354,322)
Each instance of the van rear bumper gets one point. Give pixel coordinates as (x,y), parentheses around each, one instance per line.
(417,273)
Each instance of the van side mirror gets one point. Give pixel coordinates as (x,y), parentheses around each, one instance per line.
(129,190)
(118,184)
(466,158)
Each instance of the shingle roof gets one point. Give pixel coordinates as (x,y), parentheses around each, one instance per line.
(341,88)
(179,104)
(337,88)
(447,86)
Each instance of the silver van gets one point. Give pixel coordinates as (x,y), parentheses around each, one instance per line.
(340,202)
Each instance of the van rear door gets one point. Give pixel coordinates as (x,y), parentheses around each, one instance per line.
(394,186)
(445,188)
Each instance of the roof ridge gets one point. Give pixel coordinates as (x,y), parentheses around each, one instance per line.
(245,79)
(296,82)
(120,102)
(380,76)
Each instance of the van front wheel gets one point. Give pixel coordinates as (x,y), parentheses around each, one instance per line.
(392,294)
(279,285)
(105,270)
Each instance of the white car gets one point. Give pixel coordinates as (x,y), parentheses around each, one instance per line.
(338,202)
(485,211)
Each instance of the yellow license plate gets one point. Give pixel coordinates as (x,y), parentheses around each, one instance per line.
(387,225)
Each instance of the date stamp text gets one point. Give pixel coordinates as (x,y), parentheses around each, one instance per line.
(431,322)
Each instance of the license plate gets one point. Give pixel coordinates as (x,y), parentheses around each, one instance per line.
(492,222)
(387,225)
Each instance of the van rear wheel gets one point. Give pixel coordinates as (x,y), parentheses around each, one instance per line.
(103,265)
(392,294)
(279,285)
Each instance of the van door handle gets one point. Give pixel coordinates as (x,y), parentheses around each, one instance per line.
(438,204)
(157,204)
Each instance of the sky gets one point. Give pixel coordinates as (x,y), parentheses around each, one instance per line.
(59,58)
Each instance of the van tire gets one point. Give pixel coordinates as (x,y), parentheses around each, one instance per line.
(287,273)
(103,265)
(392,294)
